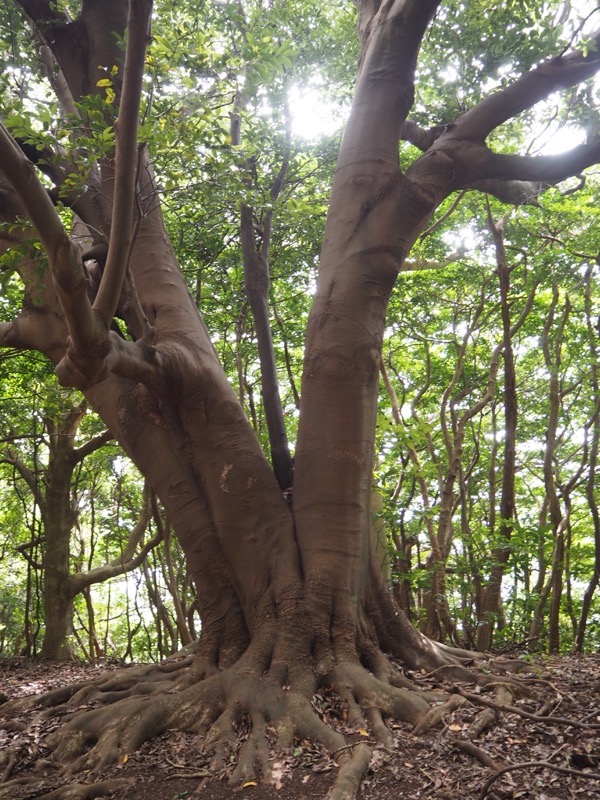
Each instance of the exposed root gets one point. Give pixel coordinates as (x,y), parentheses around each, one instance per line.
(590,776)
(86,791)
(10,765)
(489,715)
(571,723)
(476,752)
(435,715)
(246,713)
(362,692)
(351,773)
(467,657)
(93,740)
(106,688)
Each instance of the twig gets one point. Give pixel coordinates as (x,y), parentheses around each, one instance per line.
(350,746)
(595,776)
(176,764)
(553,755)
(438,223)
(179,775)
(474,698)
(543,682)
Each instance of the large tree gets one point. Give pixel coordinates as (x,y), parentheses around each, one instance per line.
(290,595)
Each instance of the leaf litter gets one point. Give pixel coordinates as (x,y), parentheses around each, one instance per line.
(529,752)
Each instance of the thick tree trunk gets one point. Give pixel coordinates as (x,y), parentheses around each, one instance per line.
(58,594)
(291,599)
(168,394)
(375,215)
(217,488)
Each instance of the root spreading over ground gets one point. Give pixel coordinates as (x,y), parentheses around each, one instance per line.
(252,723)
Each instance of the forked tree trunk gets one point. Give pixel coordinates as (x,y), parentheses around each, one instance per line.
(290,598)
(212,477)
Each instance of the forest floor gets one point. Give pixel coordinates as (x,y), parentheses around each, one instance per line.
(436,766)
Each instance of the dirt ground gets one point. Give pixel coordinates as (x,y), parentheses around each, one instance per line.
(553,757)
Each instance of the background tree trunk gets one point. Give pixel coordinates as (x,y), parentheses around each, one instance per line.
(491,599)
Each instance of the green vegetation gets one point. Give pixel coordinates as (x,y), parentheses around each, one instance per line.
(443,383)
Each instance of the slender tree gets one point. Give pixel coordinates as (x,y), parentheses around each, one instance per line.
(491,593)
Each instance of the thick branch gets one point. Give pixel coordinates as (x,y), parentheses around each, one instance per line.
(86,361)
(94,444)
(391,33)
(34,198)
(420,137)
(63,255)
(457,157)
(537,84)
(126,161)
(19,335)
(547,169)
(45,11)
(515,193)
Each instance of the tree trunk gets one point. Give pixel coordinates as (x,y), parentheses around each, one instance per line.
(255,259)
(500,553)
(291,598)
(590,484)
(59,515)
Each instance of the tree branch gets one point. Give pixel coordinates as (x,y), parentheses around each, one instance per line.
(17,334)
(537,84)
(20,173)
(86,361)
(94,444)
(8,456)
(126,161)
(542,169)
(515,193)
(126,562)
(422,264)
(63,255)
(391,34)
(420,137)
(594,776)
(44,10)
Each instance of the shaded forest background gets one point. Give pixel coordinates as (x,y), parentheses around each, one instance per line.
(489,415)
